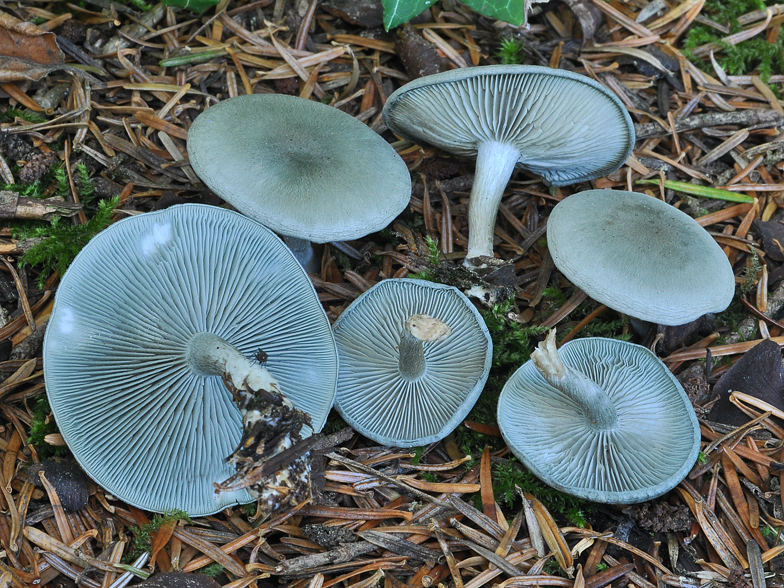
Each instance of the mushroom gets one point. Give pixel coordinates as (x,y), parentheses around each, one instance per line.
(304,169)
(414,357)
(640,256)
(560,125)
(601,419)
(150,316)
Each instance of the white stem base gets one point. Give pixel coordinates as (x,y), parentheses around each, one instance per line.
(594,402)
(303,251)
(495,163)
(213,356)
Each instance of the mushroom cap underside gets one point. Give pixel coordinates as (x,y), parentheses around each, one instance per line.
(136,416)
(299,167)
(567,127)
(640,256)
(651,449)
(374,398)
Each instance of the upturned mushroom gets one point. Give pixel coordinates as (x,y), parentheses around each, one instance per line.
(640,256)
(150,318)
(414,357)
(560,125)
(305,170)
(601,419)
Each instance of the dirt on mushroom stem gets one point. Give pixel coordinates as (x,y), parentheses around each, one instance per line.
(272,458)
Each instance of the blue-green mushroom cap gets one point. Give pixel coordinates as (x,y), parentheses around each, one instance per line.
(640,256)
(141,420)
(644,446)
(299,167)
(403,389)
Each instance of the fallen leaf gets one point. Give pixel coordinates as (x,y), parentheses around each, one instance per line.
(396,12)
(26,52)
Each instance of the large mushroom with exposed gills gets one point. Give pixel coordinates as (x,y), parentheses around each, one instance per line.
(560,125)
(156,316)
(601,419)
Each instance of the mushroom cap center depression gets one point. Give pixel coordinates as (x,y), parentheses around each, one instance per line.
(298,154)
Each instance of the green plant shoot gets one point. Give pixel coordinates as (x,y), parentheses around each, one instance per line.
(197,6)
(701,191)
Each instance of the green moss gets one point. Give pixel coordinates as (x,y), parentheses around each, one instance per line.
(511,348)
(10,114)
(732,316)
(751,273)
(212,570)
(553,297)
(551,568)
(755,54)
(612,329)
(63,187)
(430,477)
(433,260)
(84,184)
(38,189)
(41,425)
(511,340)
(510,52)
(142,542)
(342,260)
(250,508)
(34,190)
(334,423)
(511,475)
(62,241)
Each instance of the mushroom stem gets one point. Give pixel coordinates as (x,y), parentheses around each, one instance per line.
(211,355)
(589,396)
(303,252)
(419,329)
(495,163)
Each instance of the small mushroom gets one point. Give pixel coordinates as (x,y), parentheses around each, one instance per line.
(601,419)
(640,256)
(560,125)
(414,357)
(149,318)
(304,169)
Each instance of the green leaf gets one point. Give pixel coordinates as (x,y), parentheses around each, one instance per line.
(701,191)
(511,11)
(194,5)
(396,12)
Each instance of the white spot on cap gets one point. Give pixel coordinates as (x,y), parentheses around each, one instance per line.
(159,235)
(66,320)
